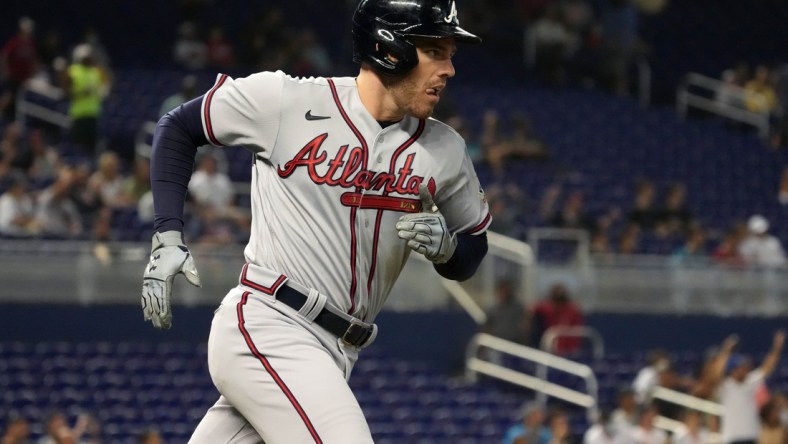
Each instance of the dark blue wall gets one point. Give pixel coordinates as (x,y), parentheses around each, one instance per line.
(438,338)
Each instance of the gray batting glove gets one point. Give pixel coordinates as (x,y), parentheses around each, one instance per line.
(426,232)
(168,257)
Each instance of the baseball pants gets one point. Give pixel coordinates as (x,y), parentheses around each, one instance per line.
(278,381)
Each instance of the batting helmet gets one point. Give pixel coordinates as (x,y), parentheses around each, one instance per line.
(381,29)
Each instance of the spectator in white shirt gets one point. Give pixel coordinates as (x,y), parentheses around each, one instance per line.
(737,392)
(210,187)
(648,377)
(601,432)
(17,210)
(760,248)
(645,432)
(692,430)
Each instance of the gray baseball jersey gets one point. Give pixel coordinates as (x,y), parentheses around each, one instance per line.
(329,184)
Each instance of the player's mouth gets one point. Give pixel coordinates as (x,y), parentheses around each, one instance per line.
(435,91)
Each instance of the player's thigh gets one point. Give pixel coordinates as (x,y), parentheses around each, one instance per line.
(281,379)
(222,424)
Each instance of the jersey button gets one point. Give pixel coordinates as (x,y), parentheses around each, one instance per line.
(366,223)
(379,159)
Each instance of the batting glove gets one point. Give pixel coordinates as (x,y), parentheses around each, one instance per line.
(168,257)
(426,232)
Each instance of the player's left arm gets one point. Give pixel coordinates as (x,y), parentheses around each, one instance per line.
(450,233)
(466,258)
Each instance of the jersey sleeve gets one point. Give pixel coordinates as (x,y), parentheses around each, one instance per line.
(244,111)
(464,204)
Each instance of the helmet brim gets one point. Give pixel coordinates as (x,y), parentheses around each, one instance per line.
(460,35)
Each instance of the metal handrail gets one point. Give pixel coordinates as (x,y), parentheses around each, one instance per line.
(685,99)
(551,335)
(685,400)
(26,108)
(474,365)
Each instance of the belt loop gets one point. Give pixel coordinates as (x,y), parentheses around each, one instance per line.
(313,306)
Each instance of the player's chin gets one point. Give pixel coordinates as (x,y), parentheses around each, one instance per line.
(422,110)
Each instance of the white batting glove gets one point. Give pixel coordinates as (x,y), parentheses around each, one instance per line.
(168,257)
(426,232)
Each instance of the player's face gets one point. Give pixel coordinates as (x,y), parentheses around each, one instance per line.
(419,91)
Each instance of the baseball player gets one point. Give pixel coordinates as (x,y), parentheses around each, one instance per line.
(350,175)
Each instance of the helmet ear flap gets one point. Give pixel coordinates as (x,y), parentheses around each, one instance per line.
(392,54)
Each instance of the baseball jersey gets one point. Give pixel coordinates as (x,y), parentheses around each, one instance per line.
(329,183)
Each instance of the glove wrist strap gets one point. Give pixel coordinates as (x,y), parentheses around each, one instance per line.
(167,239)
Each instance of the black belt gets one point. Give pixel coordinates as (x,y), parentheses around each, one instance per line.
(352,332)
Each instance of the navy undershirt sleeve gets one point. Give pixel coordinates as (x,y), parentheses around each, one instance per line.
(466,259)
(175,142)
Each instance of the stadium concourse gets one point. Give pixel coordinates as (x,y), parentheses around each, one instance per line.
(555,145)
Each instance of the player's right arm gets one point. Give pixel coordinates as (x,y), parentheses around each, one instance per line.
(233,112)
(175,142)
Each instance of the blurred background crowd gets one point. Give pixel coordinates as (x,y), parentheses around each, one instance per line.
(567,111)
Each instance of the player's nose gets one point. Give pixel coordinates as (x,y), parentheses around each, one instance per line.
(447,69)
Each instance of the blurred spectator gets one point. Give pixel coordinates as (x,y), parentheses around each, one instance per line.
(759,93)
(189,51)
(98,52)
(507,317)
(647,377)
(643,213)
(313,57)
(507,203)
(531,430)
(220,52)
(218,220)
(694,249)
(557,310)
(17,431)
(602,432)
(211,187)
(730,94)
(572,214)
(188,91)
(645,432)
(12,153)
(674,217)
(780,135)
(629,241)
(782,189)
(521,144)
(559,428)
(738,391)
(472,146)
(149,437)
(57,213)
(45,159)
(524,144)
(727,252)
(87,86)
(138,183)
(107,182)
(552,43)
(692,430)
(17,210)
(18,63)
(760,248)
(772,429)
(619,43)
(625,416)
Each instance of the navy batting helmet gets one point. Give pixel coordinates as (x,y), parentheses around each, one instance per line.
(381,29)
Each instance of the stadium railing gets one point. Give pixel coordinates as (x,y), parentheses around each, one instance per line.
(720,98)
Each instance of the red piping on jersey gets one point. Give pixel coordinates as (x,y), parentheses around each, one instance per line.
(379,217)
(268,368)
(389,203)
(353,246)
(267,290)
(481,226)
(207,110)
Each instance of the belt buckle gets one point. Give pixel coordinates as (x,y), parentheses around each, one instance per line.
(356,334)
